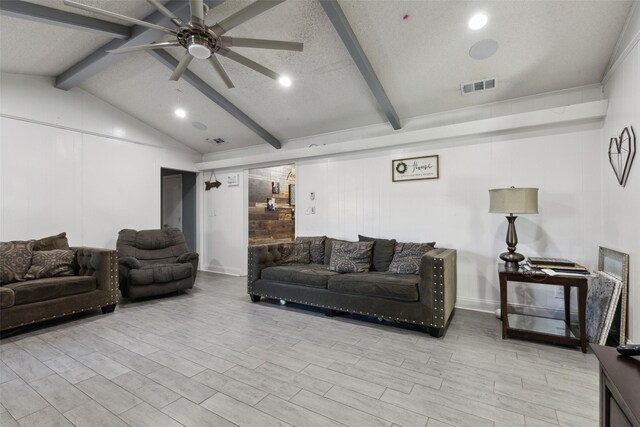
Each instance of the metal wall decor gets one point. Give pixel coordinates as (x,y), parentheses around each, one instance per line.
(622,150)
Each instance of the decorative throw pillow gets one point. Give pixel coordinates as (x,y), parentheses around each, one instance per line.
(350,257)
(58,241)
(328,248)
(406,259)
(15,259)
(382,252)
(53,263)
(295,253)
(316,248)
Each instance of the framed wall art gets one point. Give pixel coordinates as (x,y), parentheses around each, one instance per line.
(415,168)
(616,264)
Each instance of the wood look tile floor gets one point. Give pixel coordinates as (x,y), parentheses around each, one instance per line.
(212,358)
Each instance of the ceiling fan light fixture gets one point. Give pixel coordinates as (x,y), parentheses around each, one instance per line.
(284,81)
(478,21)
(197,47)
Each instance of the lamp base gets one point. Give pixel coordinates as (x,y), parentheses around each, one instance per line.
(511,260)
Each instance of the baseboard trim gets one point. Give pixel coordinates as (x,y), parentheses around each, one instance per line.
(221,270)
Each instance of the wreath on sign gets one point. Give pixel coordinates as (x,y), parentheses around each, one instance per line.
(401,167)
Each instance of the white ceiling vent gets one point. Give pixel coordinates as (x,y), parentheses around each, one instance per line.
(216,141)
(478,86)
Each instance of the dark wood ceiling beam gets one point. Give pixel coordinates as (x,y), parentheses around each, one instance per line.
(48,15)
(100,60)
(344,30)
(189,76)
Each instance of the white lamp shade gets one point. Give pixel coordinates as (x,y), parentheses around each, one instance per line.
(513,200)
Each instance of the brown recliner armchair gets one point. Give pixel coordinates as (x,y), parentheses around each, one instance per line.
(154,262)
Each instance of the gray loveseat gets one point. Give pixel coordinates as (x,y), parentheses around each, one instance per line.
(154,262)
(426,299)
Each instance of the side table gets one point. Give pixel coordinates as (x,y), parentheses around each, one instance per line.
(539,328)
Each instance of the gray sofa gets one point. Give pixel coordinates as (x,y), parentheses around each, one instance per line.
(89,283)
(426,299)
(154,262)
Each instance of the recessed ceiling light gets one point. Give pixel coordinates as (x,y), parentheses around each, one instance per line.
(284,81)
(478,21)
(180,113)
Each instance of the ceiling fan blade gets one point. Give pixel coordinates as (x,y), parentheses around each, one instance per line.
(145,47)
(181,67)
(118,16)
(260,43)
(221,72)
(248,63)
(243,15)
(166,12)
(197,11)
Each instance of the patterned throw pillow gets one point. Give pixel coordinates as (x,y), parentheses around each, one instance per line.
(316,248)
(295,253)
(350,257)
(53,263)
(407,256)
(15,259)
(59,241)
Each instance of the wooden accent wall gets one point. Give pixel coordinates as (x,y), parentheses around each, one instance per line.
(271,226)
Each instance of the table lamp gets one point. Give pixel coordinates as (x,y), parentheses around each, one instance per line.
(513,201)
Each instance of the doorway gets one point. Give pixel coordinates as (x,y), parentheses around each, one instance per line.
(272,204)
(178,203)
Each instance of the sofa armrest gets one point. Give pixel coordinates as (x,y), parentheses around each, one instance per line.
(129,262)
(101,264)
(191,257)
(187,257)
(438,283)
(261,257)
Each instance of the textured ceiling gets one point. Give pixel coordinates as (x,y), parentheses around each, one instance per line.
(420,61)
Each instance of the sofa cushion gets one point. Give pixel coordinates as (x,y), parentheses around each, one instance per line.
(351,257)
(51,263)
(316,248)
(295,253)
(50,288)
(401,287)
(15,260)
(382,252)
(7,297)
(160,273)
(315,275)
(59,241)
(407,256)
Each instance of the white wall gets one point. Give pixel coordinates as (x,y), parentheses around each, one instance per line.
(225,225)
(621,206)
(71,162)
(355,195)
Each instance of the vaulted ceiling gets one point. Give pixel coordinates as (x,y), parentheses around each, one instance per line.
(419,51)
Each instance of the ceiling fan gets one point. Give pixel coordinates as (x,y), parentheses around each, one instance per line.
(204,42)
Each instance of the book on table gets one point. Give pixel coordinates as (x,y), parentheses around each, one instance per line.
(558,265)
(550,261)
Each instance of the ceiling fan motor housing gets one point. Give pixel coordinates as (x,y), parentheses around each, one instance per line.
(198,46)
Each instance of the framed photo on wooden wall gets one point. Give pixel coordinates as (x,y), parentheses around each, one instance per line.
(415,168)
